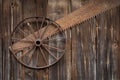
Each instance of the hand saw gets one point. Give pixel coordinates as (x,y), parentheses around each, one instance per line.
(79,16)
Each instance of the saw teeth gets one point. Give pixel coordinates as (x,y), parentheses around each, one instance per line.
(107,9)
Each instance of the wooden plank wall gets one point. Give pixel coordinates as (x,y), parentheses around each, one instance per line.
(93,47)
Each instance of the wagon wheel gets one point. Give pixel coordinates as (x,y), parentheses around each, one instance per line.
(42,52)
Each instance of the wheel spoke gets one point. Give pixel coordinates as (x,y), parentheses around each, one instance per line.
(50,53)
(37,27)
(53,47)
(40,57)
(43,55)
(37,58)
(41,26)
(44,30)
(28,51)
(30,58)
(25,34)
(22,49)
(31,29)
(42,23)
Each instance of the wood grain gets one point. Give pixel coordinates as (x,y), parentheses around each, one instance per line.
(93,47)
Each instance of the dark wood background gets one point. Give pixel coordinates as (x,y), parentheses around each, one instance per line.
(92,47)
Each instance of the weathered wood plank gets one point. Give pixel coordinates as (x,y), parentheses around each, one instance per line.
(41,7)
(56,10)
(118,43)
(1,32)
(74,54)
(16,17)
(6,31)
(116,38)
(68,55)
(78,3)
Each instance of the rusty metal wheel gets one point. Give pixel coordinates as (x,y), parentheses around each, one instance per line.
(42,52)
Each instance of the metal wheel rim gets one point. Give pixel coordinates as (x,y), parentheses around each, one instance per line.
(43,66)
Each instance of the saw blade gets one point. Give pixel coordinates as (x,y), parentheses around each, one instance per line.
(77,17)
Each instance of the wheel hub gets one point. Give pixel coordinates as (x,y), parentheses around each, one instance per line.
(38,43)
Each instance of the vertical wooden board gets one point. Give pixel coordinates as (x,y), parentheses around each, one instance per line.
(62,69)
(91,53)
(29,8)
(68,55)
(80,54)
(113,58)
(56,10)
(6,38)
(41,6)
(104,46)
(98,74)
(116,38)
(109,59)
(16,12)
(104,53)
(78,3)
(119,43)
(119,39)
(74,54)
(92,49)
(1,58)
(53,72)
(86,51)
(101,47)
(16,17)
(1,40)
